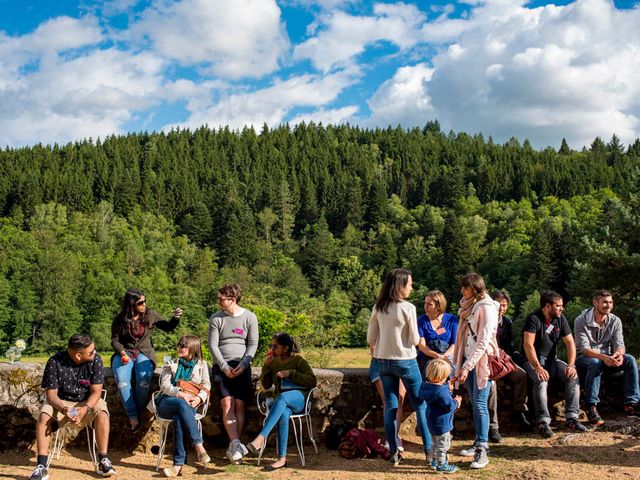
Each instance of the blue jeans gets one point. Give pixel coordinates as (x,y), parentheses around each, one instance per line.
(557,372)
(184,421)
(479,397)
(391,372)
(593,370)
(142,368)
(285,404)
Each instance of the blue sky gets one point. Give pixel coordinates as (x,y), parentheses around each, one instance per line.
(72,70)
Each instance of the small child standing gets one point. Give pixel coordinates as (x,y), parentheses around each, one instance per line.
(441,404)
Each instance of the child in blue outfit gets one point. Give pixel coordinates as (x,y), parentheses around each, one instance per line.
(436,391)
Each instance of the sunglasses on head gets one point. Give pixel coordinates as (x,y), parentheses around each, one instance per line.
(182,345)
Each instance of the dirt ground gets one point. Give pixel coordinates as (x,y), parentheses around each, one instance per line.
(566,456)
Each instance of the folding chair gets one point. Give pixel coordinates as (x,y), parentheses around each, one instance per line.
(61,433)
(264,404)
(201,412)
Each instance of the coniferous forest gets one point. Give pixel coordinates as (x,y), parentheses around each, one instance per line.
(307,220)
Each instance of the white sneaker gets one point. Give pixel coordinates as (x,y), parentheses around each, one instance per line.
(469,451)
(238,450)
(480,460)
(230,450)
(399,444)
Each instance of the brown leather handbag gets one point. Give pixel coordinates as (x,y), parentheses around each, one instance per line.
(191,387)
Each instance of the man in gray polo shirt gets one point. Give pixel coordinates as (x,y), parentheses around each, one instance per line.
(601,350)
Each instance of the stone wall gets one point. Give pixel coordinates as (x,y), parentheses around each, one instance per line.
(345,396)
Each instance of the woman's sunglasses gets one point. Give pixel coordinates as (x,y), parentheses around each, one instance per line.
(141,302)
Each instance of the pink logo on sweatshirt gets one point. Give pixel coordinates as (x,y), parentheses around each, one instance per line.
(238,331)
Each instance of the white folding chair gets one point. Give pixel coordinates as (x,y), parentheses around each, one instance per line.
(201,412)
(61,433)
(264,405)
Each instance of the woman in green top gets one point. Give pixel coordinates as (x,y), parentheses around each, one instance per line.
(293,377)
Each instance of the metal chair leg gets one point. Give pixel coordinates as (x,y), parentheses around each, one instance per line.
(164,431)
(91,442)
(299,439)
(310,431)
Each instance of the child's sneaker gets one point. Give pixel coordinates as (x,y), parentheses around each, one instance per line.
(446,468)
(399,445)
(434,464)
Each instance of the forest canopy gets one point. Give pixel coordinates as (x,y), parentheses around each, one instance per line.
(307,220)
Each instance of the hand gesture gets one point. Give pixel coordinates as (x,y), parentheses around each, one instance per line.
(238,370)
(618,357)
(268,360)
(194,401)
(82,411)
(462,375)
(542,374)
(177,312)
(282,374)
(228,372)
(187,397)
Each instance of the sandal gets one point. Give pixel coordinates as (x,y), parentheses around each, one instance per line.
(203,458)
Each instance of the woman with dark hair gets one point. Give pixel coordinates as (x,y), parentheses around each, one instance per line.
(293,377)
(134,353)
(393,336)
(437,330)
(476,340)
(181,404)
(233,342)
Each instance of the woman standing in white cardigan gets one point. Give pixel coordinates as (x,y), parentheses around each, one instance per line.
(476,339)
(393,336)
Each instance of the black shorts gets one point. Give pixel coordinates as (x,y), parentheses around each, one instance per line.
(240,387)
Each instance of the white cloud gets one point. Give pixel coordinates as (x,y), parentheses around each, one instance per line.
(90,95)
(542,73)
(343,36)
(402,99)
(234,39)
(270,105)
(62,33)
(327,116)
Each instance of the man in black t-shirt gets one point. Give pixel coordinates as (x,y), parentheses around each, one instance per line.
(73,380)
(542,331)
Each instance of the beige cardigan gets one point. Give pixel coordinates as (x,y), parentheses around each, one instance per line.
(394,334)
(484,322)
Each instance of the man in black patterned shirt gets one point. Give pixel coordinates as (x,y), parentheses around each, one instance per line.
(73,380)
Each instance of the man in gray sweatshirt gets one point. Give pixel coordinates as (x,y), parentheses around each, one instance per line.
(601,350)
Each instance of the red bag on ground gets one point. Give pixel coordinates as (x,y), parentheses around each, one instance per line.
(358,443)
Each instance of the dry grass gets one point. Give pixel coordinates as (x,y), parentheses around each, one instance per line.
(596,455)
(338,357)
(317,357)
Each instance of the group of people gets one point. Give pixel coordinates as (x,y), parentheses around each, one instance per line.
(429,356)
(73,381)
(422,357)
